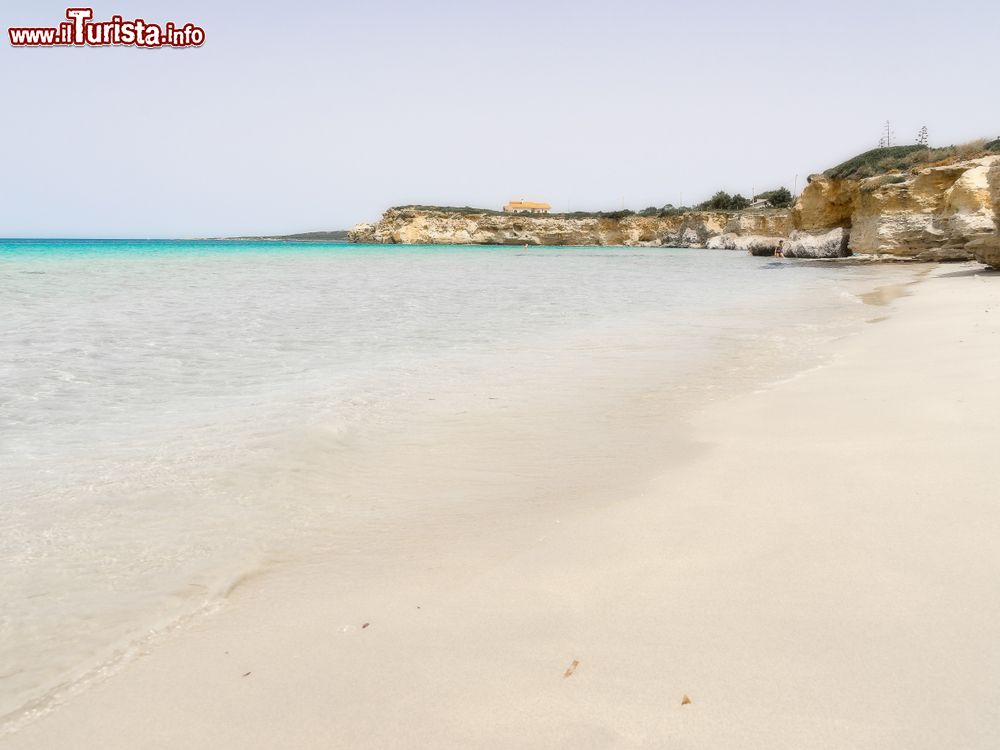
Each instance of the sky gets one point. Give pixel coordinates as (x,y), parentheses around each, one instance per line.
(306,115)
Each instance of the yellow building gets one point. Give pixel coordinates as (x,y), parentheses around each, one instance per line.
(527,207)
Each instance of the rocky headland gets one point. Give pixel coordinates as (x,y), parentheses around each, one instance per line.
(432,226)
(942,213)
(888,204)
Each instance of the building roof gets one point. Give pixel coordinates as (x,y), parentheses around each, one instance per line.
(528,204)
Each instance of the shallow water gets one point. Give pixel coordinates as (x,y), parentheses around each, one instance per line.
(175,416)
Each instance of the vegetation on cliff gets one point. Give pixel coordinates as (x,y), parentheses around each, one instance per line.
(779,198)
(723,201)
(450,209)
(907,158)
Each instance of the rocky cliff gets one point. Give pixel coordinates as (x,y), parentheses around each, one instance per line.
(943,211)
(987,247)
(443,227)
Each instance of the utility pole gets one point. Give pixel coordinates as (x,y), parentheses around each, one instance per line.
(888,134)
(795,190)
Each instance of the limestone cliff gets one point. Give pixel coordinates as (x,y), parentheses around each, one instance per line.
(773,223)
(987,248)
(936,213)
(947,210)
(825,204)
(443,227)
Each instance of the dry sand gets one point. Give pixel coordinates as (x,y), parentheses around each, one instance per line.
(823,572)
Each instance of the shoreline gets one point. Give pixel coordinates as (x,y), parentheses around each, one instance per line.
(577,400)
(644,593)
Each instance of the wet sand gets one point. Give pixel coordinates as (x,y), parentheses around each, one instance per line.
(820,571)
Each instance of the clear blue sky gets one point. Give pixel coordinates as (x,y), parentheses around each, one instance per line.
(304,115)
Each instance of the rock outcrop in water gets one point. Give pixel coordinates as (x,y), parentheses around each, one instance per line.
(832,244)
(755,244)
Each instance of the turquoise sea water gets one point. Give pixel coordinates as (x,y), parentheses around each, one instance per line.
(175,415)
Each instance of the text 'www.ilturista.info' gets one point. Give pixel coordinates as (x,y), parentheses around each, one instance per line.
(80,30)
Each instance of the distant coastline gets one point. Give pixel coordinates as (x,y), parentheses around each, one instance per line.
(336,235)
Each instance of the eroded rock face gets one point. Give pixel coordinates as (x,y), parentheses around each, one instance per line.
(755,244)
(832,244)
(697,228)
(939,213)
(441,227)
(362,233)
(722,242)
(936,214)
(758,245)
(425,227)
(776,223)
(825,204)
(987,249)
(988,252)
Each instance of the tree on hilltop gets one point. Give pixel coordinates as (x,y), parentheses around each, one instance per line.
(779,198)
(721,201)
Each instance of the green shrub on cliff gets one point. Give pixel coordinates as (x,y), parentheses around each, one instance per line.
(875,185)
(905,158)
(447,209)
(671,210)
(778,198)
(876,161)
(721,201)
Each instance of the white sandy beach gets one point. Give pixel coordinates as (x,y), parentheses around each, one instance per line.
(821,570)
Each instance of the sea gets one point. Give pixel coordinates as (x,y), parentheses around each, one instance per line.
(177,417)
